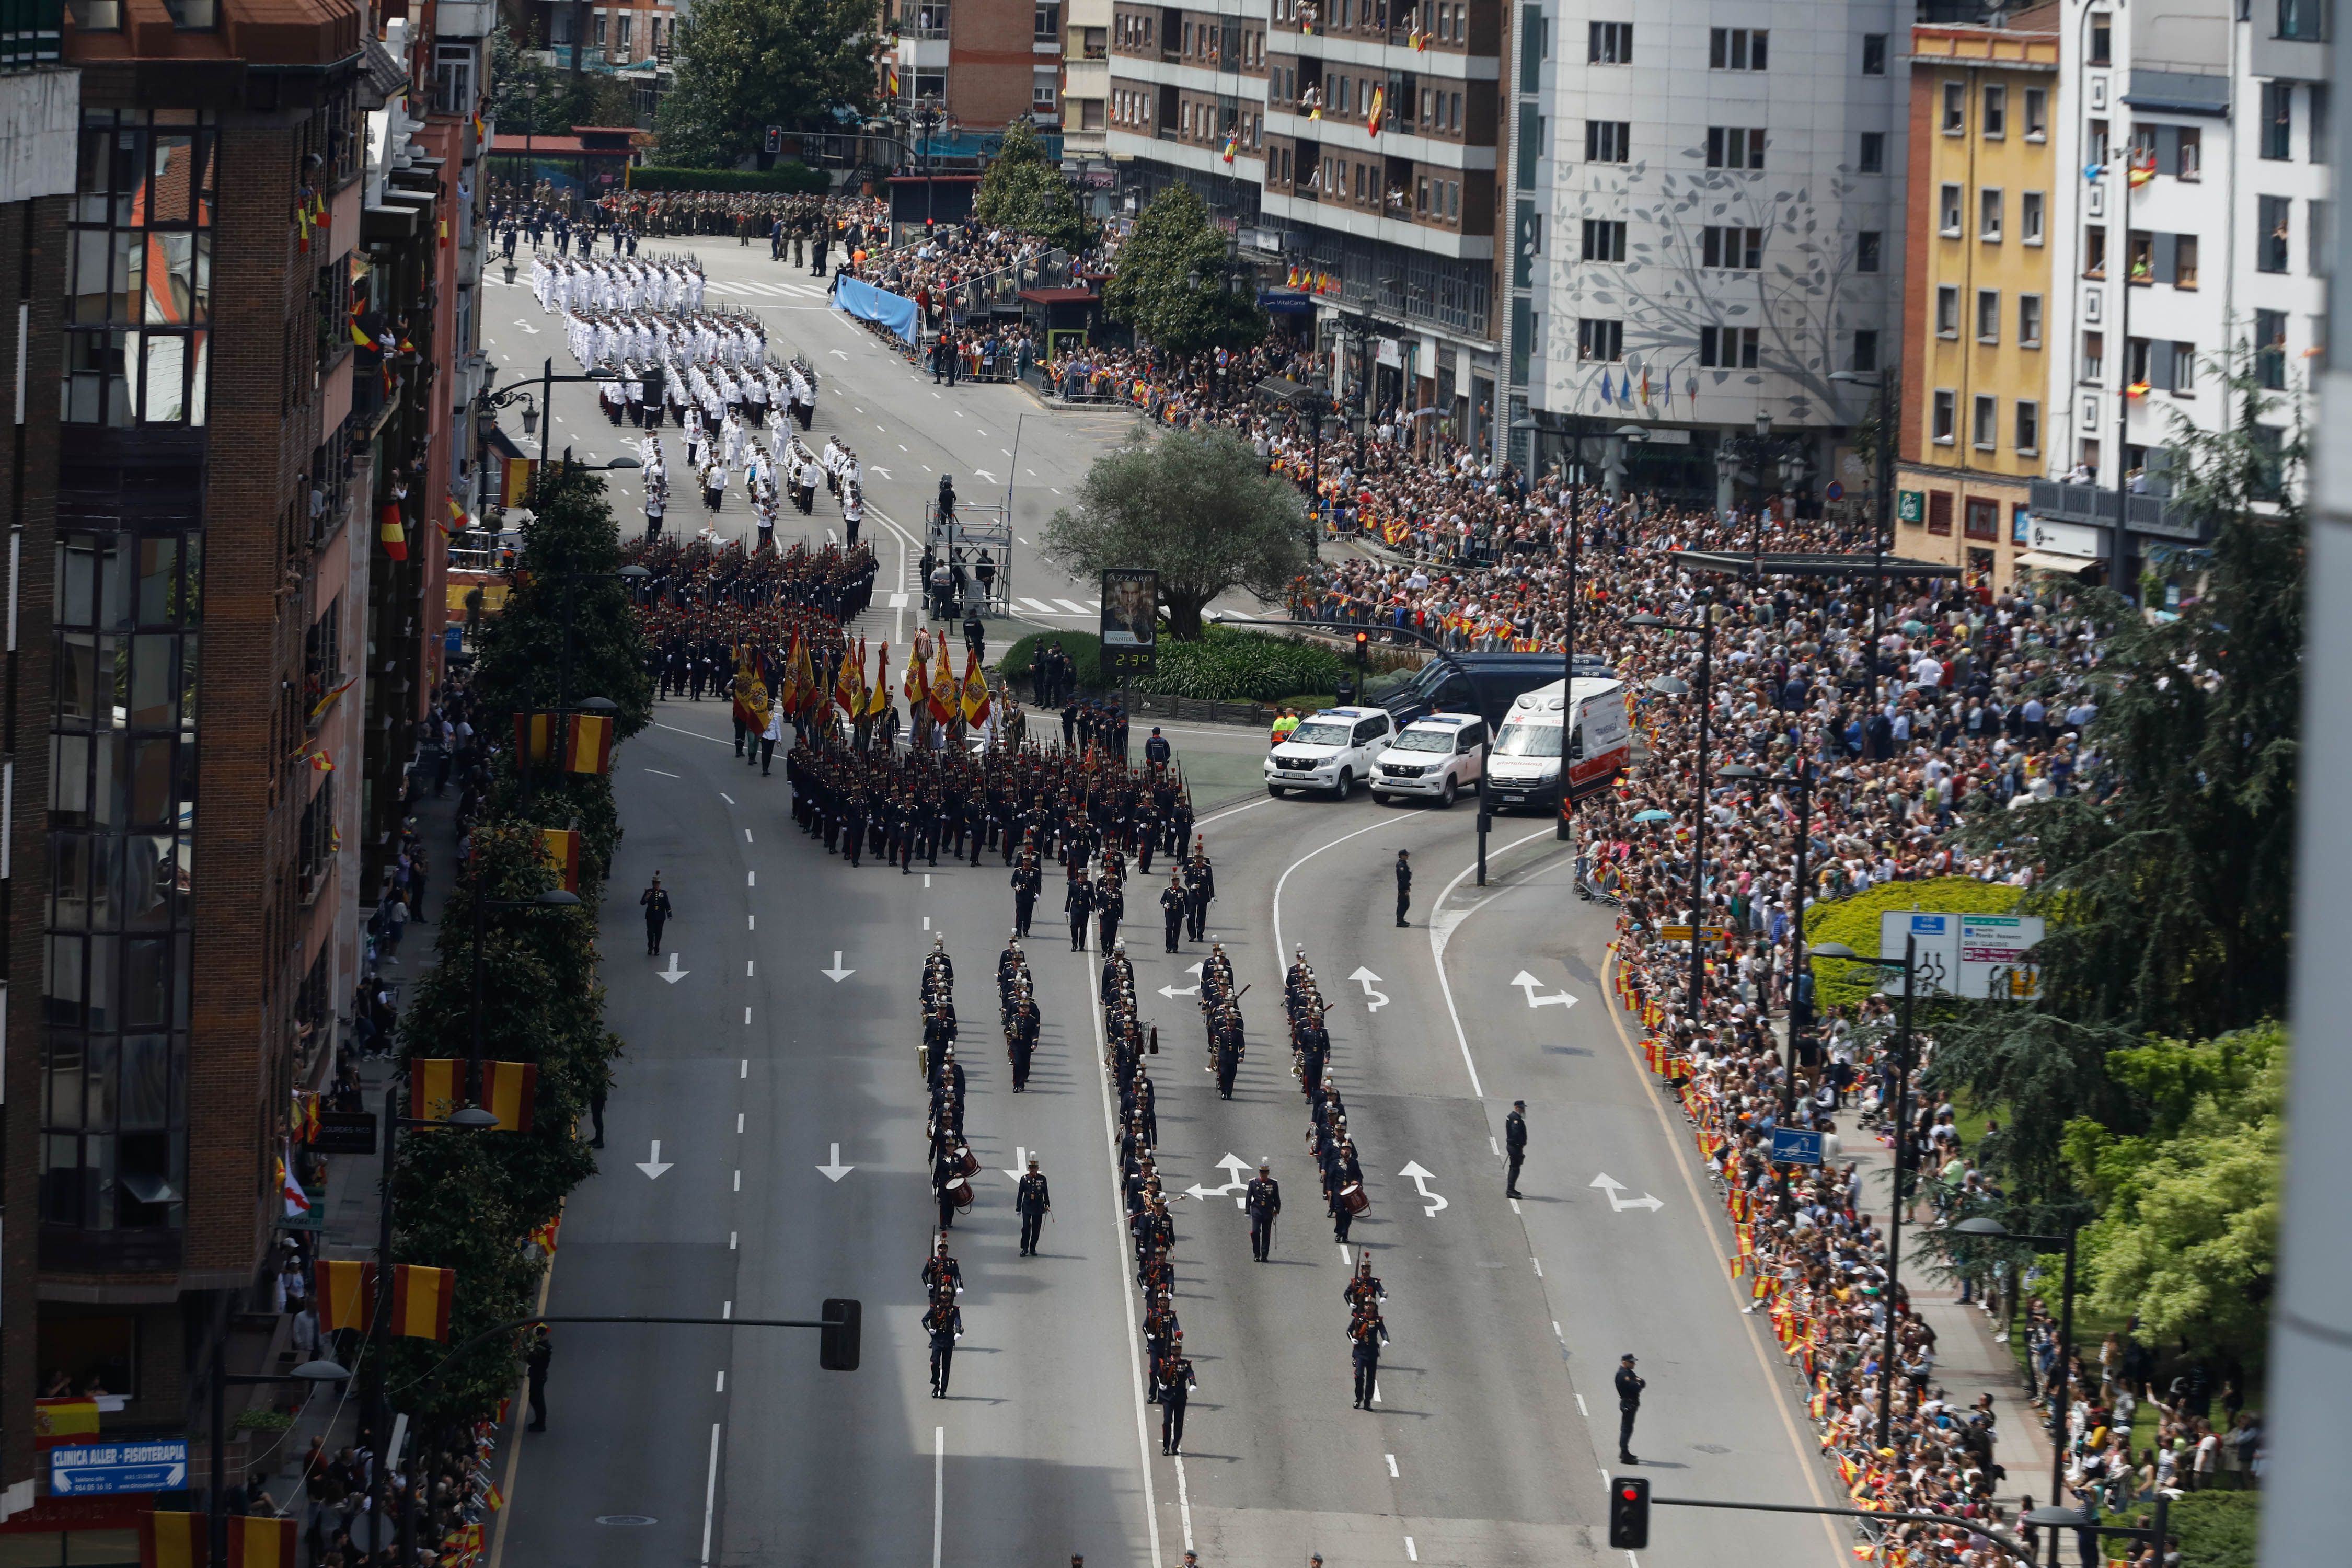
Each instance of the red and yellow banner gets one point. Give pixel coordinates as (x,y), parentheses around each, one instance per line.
(420,1300)
(57,1421)
(563,849)
(261,1542)
(346,1294)
(173,1541)
(534,737)
(588,749)
(390,532)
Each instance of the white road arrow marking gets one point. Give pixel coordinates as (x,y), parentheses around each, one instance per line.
(1610,1185)
(1237,1167)
(1020,1162)
(674,974)
(984,474)
(1374,1000)
(527,327)
(834,1169)
(1421,1180)
(836,973)
(1529,983)
(837,354)
(1192,990)
(881,471)
(652,1164)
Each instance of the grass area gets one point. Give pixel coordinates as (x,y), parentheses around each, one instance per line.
(1855,922)
(1227,664)
(2216,1529)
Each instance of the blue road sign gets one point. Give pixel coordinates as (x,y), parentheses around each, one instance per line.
(1796,1146)
(96,1469)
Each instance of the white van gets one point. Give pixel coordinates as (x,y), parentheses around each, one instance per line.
(1436,758)
(1524,767)
(1333,751)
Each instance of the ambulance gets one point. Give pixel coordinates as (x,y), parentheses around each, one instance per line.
(1524,767)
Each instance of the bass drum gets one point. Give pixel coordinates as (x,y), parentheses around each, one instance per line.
(960,1192)
(1353,1198)
(966,1162)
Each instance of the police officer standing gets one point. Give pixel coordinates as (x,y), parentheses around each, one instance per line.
(1514,1146)
(1629,1402)
(1404,885)
(657,913)
(1263,1198)
(1036,1201)
(535,1359)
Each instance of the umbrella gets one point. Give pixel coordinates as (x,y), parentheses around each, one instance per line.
(1653,815)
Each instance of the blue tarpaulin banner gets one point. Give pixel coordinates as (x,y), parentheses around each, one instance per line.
(872,304)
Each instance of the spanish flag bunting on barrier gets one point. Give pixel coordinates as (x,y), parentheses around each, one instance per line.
(562,847)
(943,687)
(544,1236)
(588,747)
(346,1292)
(509,1089)
(534,736)
(57,1421)
(261,1542)
(420,1300)
(174,1540)
(390,532)
(976,702)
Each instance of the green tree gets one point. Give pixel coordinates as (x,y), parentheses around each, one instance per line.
(526,92)
(568,630)
(2168,875)
(1168,285)
(1024,192)
(744,65)
(1195,506)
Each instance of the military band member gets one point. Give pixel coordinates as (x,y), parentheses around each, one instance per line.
(1262,1199)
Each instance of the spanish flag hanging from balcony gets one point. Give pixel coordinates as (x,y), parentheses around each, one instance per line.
(891,76)
(390,530)
(1233,144)
(174,1540)
(261,1542)
(1380,111)
(509,1089)
(562,846)
(358,335)
(57,1421)
(588,747)
(346,1292)
(2142,166)
(534,736)
(2137,389)
(420,1300)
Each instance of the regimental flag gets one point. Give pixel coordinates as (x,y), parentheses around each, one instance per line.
(915,687)
(420,1300)
(391,533)
(562,846)
(436,1086)
(534,737)
(261,1542)
(877,695)
(57,1421)
(509,1089)
(1380,111)
(588,747)
(788,689)
(514,481)
(804,676)
(845,680)
(346,1295)
(174,1540)
(976,702)
(943,686)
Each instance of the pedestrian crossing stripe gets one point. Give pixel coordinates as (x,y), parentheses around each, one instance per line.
(1037,605)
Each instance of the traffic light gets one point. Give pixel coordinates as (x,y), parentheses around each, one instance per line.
(775,138)
(1363,645)
(1628,1513)
(836,1348)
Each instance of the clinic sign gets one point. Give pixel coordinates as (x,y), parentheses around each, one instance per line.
(1972,955)
(95,1469)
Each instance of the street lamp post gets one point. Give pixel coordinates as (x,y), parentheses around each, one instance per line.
(1908,964)
(1888,386)
(1991,1229)
(314,1371)
(1803,784)
(1670,686)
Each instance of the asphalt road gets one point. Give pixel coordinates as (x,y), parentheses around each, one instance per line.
(771,1045)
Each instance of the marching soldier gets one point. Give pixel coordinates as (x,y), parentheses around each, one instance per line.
(941,1272)
(1078,903)
(1262,1199)
(1366,1355)
(1172,907)
(1111,904)
(944,1322)
(657,913)
(1036,1202)
(1176,1385)
(1027,881)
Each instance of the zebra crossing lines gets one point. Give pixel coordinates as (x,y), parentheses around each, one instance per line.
(771,291)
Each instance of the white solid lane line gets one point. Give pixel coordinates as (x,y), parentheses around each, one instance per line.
(1278,947)
(710,1493)
(938,1489)
(1438,936)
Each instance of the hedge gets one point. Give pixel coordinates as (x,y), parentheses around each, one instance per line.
(1085,650)
(1225,666)
(792,179)
(2216,1529)
(1855,922)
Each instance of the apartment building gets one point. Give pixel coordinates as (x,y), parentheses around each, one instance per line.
(1353,144)
(1085,80)
(2196,226)
(984,62)
(1976,353)
(1707,231)
(620,36)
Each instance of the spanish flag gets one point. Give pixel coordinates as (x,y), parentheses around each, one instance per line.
(891,77)
(1380,113)
(514,481)
(57,1421)
(943,687)
(976,692)
(915,687)
(359,337)
(261,1542)
(2142,168)
(563,849)
(346,1293)
(436,1086)
(390,532)
(420,1300)
(328,699)
(589,746)
(174,1540)
(534,736)
(510,1087)
(877,701)
(803,677)
(544,1236)
(845,680)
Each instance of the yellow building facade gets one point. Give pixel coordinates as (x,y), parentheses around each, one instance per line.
(1976,356)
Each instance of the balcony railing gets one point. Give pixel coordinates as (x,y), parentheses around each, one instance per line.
(31,33)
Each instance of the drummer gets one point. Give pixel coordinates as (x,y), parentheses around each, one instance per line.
(949,1186)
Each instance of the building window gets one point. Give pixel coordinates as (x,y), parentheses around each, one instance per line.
(1735,147)
(1872,159)
(2278,119)
(1939,512)
(1728,348)
(1874,54)
(139,270)
(1988,214)
(1046,24)
(2095,355)
(1607,141)
(1865,349)
(2031,205)
(453,76)
(1956,108)
(2028,428)
(1604,239)
(2314,121)
(2272,218)
(2037,114)
(2270,350)
(1740,250)
(2029,320)
(1946,408)
(191,16)
(1867,246)
(1736,49)
(2184,261)
(2184,369)
(1611,43)
(1599,340)
(1996,112)
(1948,309)
(2103,37)
(1981,519)
(2189,162)
(2305,21)
(1947,212)
(1987,315)
(2095,250)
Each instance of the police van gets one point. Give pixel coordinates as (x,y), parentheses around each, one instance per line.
(1334,751)
(1523,768)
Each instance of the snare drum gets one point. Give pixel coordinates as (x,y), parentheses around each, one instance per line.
(1353,1199)
(959,1193)
(966,1162)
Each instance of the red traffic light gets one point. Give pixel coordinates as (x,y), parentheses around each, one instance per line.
(1628,1513)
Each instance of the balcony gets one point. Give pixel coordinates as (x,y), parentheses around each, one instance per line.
(2095,505)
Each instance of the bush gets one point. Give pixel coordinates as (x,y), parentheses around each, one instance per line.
(1229,666)
(2216,1529)
(1855,922)
(1085,650)
(792,179)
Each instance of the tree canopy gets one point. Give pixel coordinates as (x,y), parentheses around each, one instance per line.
(561,100)
(745,65)
(1195,506)
(1024,192)
(1166,286)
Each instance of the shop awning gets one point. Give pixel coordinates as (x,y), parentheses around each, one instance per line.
(2051,561)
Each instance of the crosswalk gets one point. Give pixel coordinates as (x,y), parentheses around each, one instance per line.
(768,290)
(1060,607)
